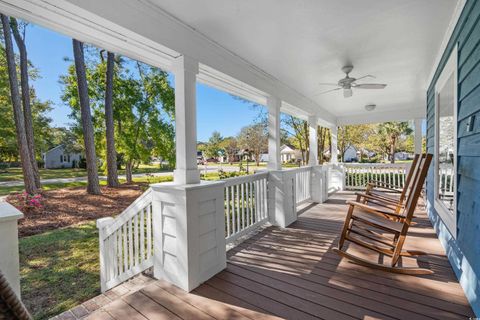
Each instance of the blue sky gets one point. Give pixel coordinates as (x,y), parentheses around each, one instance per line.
(216,110)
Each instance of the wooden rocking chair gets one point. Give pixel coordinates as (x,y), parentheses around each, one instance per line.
(369,227)
(384,194)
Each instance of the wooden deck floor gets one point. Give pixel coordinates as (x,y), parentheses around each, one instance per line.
(293,273)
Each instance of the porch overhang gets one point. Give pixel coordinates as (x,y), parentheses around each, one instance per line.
(255,65)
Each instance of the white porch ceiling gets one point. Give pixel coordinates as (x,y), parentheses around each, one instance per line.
(304,43)
(280,47)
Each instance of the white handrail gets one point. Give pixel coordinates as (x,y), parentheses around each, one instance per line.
(126,244)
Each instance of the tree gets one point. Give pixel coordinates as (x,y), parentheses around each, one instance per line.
(298,130)
(93,186)
(112,175)
(322,139)
(392,132)
(27,109)
(254,139)
(24,151)
(230,147)
(143,109)
(213,146)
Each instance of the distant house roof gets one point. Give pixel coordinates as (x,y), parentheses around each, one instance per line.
(287,149)
(54,148)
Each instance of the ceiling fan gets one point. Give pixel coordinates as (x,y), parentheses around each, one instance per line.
(348,83)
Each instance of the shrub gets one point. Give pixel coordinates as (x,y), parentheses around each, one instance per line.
(26,202)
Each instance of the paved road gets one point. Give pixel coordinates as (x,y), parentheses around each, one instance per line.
(137,175)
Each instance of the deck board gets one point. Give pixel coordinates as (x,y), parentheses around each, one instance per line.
(293,273)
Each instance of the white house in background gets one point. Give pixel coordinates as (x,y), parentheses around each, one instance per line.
(56,158)
(403,156)
(351,154)
(289,153)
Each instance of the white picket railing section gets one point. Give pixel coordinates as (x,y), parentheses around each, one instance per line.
(245,205)
(446,181)
(357,175)
(126,244)
(303,184)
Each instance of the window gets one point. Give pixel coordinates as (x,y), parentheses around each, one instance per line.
(61,158)
(446,144)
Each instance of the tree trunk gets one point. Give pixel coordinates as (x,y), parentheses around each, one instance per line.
(112,175)
(93,186)
(27,109)
(393,142)
(128,171)
(24,151)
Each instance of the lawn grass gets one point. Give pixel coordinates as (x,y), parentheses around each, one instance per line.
(59,269)
(53,186)
(15,174)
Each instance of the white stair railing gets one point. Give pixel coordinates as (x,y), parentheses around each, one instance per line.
(357,175)
(245,205)
(125,242)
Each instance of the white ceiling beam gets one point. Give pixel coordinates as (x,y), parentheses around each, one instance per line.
(143,31)
(384,116)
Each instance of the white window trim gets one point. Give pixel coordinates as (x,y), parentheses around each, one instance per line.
(451,67)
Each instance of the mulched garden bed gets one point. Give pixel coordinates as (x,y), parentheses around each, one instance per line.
(69,206)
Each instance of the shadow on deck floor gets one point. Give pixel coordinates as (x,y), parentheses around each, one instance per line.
(292,273)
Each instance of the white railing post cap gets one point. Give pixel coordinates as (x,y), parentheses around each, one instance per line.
(103,222)
(9,212)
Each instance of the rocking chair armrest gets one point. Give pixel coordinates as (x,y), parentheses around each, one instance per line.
(373,209)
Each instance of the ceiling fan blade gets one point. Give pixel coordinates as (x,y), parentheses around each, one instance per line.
(347,93)
(323,92)
(370,86)
(367,76)
(328,84)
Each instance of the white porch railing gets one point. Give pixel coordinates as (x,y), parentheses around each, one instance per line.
(303,184)
(127,241)
(357,175)
(126,244)
(245,205)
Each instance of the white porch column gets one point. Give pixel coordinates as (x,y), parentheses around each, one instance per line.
(418,135)
(9,261)
(334,155)
(274,161)
(186,70)
(313,153)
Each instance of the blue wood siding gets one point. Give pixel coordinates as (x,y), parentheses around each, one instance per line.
(464,251)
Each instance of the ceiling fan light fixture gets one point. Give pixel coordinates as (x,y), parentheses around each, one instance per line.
(347,93)
(370,107)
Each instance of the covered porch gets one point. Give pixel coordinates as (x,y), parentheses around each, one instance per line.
(292,273)
(285,267)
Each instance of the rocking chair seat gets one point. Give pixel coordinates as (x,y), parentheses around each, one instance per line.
(377,221)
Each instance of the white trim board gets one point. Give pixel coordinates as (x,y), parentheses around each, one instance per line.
(450,68)
(446,38)
(155,37)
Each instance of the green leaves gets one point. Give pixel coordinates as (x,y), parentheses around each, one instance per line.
(143,107)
